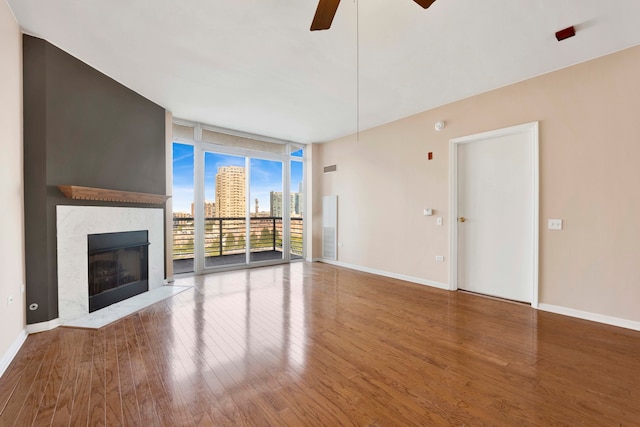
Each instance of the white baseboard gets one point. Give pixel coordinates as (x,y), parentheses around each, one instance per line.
(411,279)
(43,326)
(594,317)
(309,259)
(7,358)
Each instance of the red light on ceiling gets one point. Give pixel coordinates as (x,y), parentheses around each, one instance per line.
(566,33)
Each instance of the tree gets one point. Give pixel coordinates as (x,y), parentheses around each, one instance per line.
(278,240)
(229,242)
(255,241)
(266,237)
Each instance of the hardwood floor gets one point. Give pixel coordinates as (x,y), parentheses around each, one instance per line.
(314,344)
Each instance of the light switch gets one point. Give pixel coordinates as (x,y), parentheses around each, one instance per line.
(555,224)
(439,220)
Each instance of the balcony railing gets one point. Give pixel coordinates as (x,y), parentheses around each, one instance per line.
(227,236)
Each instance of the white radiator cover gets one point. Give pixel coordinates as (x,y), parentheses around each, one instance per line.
(330,227)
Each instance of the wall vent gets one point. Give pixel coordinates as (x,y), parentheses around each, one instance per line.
(331,168)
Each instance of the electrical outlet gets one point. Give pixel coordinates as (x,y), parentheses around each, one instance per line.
(555,224)
(439,258)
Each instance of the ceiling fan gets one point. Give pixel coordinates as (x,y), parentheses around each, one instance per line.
(327,9)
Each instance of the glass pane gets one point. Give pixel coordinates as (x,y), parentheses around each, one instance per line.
(225,210)
(266,210)
(296,151)
(183,230)
(297,206)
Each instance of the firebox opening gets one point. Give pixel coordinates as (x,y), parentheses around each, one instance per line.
(118,267)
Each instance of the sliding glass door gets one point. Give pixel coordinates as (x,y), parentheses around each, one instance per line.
(224,208)
(296,227)
(242,210)
(267,208)
(236,207)
(182,204)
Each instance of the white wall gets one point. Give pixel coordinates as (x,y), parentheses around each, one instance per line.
(12,316)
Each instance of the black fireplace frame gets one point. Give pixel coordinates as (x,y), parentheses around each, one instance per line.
(108,242)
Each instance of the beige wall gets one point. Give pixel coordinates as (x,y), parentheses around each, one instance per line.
(12,317)
(589,168)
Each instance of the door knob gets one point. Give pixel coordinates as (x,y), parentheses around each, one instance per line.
(462,219)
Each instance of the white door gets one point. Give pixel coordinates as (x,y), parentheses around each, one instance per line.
(496,213)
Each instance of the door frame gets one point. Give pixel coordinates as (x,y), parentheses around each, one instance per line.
(199,196)
(530,128)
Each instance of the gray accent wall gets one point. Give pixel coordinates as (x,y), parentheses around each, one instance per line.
(80,128)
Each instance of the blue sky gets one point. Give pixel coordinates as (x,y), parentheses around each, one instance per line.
(266,176)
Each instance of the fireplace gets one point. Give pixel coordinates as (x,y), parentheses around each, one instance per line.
(118,267)
(73,226)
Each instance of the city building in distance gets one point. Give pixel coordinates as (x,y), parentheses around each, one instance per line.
(209,209)
(295,204)
(231,192)
(257,213)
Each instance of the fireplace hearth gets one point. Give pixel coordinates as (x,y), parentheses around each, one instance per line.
(118,267)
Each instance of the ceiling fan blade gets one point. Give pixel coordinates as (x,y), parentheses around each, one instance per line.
(324,14)
(425,3)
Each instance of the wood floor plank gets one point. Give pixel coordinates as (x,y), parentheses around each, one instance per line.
(143,393)
(35,395)
(316,344)
(82,385)
(98,390)
(12,379)
(128,399)
(47,405)
(159,338)
(65,398)
(113,392)
(206,392)
(210,398)
(162,401)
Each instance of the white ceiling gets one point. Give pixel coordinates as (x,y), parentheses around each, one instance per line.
(254,66)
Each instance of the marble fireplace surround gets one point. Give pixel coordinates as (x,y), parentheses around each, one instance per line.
(74,224)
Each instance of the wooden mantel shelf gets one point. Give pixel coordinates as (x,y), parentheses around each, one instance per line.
(101,194)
